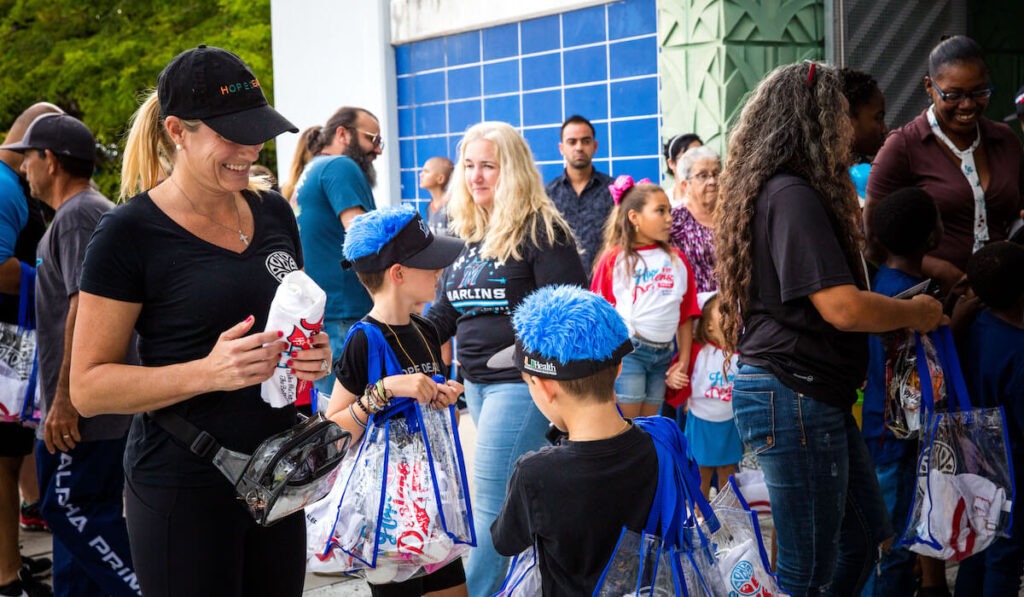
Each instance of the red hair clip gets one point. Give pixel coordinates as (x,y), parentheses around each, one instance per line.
(811,76)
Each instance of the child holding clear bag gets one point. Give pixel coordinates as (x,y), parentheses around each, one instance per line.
(651,286)
(710,428)
(399,261)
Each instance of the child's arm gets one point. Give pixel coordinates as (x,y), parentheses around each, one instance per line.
(676,376)
(343,410)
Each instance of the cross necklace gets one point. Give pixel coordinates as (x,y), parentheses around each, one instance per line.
(241,235)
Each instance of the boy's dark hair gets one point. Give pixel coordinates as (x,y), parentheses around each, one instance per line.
(600,385)
(904,221)
(576,119)
(372,281)
(858,87)
(996,274)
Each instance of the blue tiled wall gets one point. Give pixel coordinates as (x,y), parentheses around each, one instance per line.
(600,62)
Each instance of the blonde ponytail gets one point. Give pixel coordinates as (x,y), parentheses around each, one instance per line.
(147,151)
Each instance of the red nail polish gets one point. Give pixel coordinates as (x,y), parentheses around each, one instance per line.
(289,363)
(293,371)
(280,333)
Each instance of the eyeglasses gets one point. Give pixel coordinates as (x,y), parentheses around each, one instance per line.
(956,97)
(375,138)
(706,176)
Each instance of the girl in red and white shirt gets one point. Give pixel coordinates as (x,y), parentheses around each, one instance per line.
(651,286)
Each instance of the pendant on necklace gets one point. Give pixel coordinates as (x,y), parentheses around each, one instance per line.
(242,237)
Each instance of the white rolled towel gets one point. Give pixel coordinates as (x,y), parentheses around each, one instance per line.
(298,312)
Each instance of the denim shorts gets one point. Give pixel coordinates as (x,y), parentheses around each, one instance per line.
(643,373)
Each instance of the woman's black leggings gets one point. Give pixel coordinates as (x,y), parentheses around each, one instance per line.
(201,541)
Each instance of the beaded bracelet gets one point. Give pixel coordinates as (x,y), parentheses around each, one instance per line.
(355,418)
(359,403)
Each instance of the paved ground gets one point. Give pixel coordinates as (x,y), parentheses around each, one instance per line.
(39,544)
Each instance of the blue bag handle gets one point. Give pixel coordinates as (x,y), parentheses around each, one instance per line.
(27,297)
(956,388)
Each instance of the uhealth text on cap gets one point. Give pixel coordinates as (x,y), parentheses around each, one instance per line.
(213,85)
(61,134)
(381,238)
(564,332)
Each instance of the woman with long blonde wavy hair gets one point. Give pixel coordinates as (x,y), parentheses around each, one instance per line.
(516,242)
(794,305)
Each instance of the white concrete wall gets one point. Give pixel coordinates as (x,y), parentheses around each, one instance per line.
(413,20)
(332,53)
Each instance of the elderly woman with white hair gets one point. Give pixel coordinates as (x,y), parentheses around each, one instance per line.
(699,170)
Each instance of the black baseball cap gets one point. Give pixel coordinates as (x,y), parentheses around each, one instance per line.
(1018,104)
(60,133)
(372,245)
(213,85)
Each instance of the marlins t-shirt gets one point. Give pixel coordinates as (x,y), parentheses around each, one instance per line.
(476,296)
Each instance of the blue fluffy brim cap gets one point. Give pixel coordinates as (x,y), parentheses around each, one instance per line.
(564,332)
(381,238)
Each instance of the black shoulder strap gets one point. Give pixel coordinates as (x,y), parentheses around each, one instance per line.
(199,442)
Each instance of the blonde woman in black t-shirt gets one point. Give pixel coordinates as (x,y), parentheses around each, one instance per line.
(192,264)
(794,305)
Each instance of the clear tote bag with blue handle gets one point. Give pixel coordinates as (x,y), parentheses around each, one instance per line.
(965,489)
(405,510)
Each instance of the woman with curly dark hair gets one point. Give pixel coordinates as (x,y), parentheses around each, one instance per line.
(794,305)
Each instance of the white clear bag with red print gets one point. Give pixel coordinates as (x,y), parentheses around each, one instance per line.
(965,490)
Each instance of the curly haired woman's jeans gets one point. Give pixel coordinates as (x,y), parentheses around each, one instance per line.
(508,425)
(828,510)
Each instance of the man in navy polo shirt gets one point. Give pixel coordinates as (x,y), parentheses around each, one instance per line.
(581,192)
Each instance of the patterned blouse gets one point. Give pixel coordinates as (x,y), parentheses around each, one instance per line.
(697,242)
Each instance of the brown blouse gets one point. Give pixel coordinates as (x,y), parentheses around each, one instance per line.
(913,156)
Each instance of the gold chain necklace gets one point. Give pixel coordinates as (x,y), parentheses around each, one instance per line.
(437,368)
(241,235)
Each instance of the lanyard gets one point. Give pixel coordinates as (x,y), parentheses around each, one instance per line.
(971,173)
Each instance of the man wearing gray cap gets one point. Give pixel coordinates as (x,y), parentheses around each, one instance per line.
(21,226)
(78,459)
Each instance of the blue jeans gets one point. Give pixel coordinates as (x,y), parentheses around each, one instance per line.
(336,330)
(643,374)
(508,425)
(894,574)
(827,506)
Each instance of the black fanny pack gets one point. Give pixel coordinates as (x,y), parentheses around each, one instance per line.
(285,473)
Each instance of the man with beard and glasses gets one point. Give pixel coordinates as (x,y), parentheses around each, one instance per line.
(581,192)
(335,188)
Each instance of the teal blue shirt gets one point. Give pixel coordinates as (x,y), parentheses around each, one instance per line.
(328,186)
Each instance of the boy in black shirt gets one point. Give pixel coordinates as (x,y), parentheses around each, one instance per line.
(572,500)
(398,259)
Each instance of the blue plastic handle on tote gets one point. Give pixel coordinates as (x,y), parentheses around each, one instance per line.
(956,388)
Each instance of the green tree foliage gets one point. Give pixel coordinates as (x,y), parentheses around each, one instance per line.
(97,59)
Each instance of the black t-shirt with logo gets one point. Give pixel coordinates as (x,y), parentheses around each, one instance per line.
(796,252)
(415,344)
(190,292)
(572,500)
(476,296)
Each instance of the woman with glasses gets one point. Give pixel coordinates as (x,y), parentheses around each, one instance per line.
(692,220)
(794,305)
(971,166)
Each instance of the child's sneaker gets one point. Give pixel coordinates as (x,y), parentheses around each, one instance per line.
(31,519)
(25,588)
(35,567)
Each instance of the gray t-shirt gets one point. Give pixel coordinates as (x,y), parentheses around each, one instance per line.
(58,269)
